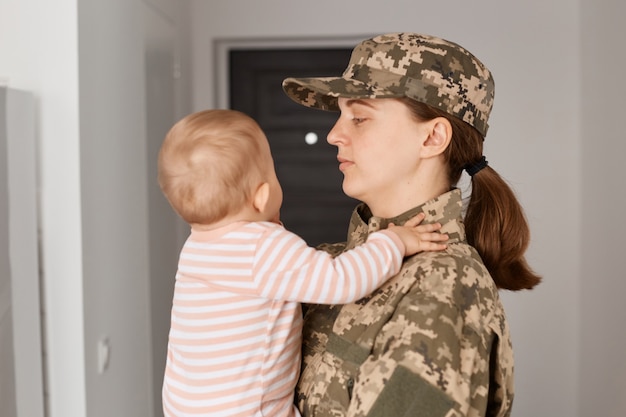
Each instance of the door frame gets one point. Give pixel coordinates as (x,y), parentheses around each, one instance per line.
(222,46)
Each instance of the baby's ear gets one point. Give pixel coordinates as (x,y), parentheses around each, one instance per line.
(261,196)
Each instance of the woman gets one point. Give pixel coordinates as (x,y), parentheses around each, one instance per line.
(433,340)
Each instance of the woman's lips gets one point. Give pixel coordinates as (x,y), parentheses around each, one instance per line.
(344,163)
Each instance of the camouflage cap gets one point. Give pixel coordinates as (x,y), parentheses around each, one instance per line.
(424,68)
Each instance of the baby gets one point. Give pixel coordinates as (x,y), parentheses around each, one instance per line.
(234,342)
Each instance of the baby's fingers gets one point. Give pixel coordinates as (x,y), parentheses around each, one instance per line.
(425,228)
(433,237)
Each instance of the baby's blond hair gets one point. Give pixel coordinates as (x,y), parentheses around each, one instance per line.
(210,163)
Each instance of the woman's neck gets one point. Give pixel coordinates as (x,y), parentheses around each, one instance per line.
(406,198)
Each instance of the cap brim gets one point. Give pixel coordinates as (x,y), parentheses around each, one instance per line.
(322,92)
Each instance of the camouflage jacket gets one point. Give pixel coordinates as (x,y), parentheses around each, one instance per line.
(432,341)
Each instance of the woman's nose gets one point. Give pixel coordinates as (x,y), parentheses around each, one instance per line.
(334,136)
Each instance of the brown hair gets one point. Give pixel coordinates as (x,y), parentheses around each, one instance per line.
(495,223)
(209,162)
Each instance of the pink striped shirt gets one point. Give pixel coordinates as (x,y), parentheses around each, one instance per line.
(234,343)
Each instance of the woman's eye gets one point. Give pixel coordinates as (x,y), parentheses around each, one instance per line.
(358,120)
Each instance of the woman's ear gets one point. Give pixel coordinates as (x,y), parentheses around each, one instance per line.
(439,136)
(261,197)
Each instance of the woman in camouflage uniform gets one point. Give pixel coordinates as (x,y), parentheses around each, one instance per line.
(434,340)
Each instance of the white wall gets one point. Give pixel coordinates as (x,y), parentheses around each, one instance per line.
(601,165)
(39,54)
(113,199)
(85,64)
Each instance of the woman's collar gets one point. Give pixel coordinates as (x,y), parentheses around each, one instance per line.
(445,209)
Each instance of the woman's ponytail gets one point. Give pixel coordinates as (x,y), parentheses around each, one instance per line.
(494,222)
(496,226)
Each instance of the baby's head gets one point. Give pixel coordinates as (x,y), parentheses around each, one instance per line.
(211,163)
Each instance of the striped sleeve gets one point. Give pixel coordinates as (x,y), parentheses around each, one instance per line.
(285,268)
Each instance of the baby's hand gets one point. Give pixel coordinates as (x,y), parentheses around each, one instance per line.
(419,237)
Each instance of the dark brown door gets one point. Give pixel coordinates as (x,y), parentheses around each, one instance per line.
(314,204)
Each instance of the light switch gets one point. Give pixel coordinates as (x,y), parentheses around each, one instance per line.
(104,354)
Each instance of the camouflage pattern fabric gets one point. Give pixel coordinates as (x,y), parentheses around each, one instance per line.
(425,68)
(432,341)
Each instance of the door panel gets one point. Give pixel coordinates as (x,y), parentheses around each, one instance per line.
(314,205)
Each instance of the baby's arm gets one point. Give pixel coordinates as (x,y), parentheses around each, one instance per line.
(285,268)
(419,237)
